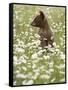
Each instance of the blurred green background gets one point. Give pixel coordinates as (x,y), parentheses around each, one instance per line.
(30,65)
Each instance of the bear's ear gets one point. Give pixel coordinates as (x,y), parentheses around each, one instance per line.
(42,14)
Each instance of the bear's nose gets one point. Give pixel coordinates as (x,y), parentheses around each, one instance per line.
(33,24)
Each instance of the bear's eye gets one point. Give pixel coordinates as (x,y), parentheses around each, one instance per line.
(38,19)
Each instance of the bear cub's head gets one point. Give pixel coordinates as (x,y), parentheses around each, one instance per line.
(39,20)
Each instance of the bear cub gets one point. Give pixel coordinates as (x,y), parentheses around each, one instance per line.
(45,33)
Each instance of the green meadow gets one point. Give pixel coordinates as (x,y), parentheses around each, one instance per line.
(30,65)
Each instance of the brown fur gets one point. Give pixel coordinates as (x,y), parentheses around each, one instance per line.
(44,32)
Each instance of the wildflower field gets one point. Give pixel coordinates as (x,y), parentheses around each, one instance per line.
(30,65)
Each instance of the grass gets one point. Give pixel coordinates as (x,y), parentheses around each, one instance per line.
(30,66)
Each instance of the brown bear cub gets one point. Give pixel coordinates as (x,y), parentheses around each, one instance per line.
(45,33)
